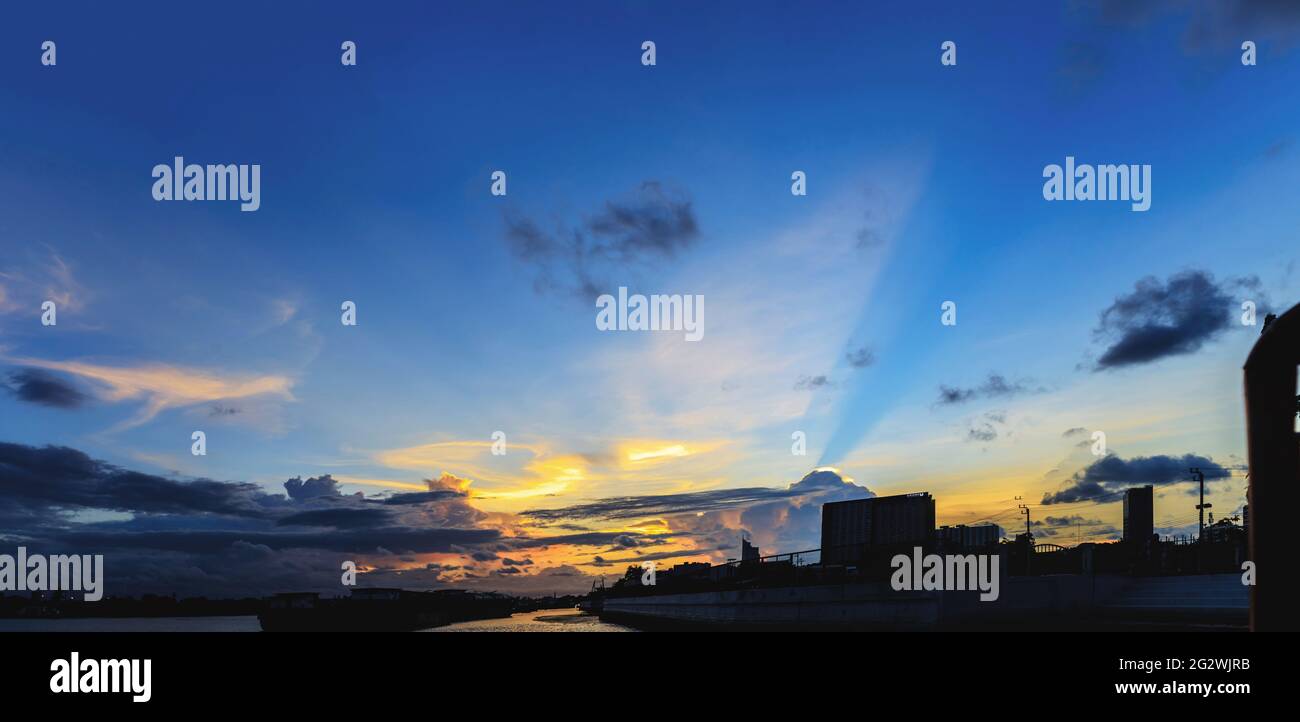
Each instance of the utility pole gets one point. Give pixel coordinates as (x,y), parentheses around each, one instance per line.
(1029,537)
(1197,476)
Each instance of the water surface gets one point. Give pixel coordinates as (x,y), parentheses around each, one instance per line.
(547,620)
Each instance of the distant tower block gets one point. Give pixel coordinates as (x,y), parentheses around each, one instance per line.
(1139,515)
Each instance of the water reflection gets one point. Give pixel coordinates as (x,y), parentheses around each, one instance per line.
(547,620)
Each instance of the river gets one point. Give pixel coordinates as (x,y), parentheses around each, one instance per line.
(547,620)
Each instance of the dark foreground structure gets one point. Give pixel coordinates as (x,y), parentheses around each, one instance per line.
(978,582)
(1207,602)
(1274,458)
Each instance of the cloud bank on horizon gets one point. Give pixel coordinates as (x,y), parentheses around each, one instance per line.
(158,531)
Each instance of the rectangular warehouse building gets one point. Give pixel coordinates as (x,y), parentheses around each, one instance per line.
(849,527)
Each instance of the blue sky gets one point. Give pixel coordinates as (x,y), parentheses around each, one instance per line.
(375,184)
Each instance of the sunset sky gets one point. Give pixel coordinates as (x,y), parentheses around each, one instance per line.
(476,313)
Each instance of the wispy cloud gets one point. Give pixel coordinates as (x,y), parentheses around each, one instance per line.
(996,386)
(160,387)
(653,226)
(861,357)
(25,288)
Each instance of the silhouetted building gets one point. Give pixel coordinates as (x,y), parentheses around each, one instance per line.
(748,552)
(1223,531)
(848,527)
(722,573)
(691,570)
(1139,515)
(969,537)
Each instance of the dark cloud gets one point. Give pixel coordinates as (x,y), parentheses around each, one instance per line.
(223,538)
(1223,24)
(64,478)
(1070,520)
(344,518)
(1073,526)
(1112,473)
(988,427)
(1074,431)
(877,219)
(395,540)
(313,488)
(629,541)
(654,226)
(40,387)
(981,431)
(1211,25)
(594,538)
(570,527)
(808,383)
(655,221)
(860,358)
(869,238)
(995,386)
(1158,320)
(423,497)
(1123,13)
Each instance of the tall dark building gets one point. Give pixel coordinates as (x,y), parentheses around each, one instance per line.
(850,526)
(1139,515)
(748,552)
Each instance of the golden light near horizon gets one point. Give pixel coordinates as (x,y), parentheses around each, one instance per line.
(674,451)
(386,483)
(546,489)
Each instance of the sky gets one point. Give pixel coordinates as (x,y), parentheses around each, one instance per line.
(475,312)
